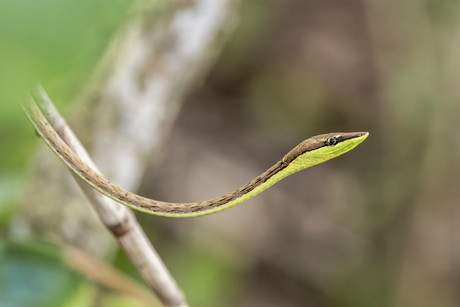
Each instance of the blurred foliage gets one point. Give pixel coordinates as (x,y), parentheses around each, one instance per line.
(207,278)
(388,212)
(9,193)
(57,43)
(113,300)
(34,274)
(53,42)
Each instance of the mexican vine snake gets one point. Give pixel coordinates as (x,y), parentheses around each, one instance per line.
(310,152)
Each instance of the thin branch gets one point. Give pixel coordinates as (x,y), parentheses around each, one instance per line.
(107,276)
(117,218)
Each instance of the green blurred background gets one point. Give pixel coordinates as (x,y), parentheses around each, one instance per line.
(376,227)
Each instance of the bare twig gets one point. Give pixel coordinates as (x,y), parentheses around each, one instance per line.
(107,276)
(117,218)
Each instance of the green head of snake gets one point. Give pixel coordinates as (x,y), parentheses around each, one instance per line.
(310,152)
(321,148)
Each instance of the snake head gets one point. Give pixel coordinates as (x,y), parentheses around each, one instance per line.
(323,147)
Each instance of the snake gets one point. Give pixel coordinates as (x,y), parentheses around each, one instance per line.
(310,152)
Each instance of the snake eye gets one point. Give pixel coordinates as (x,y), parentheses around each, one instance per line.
(332,141)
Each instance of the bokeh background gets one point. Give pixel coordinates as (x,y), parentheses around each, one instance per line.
(378,226)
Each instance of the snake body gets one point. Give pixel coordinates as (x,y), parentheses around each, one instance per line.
(310,152)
